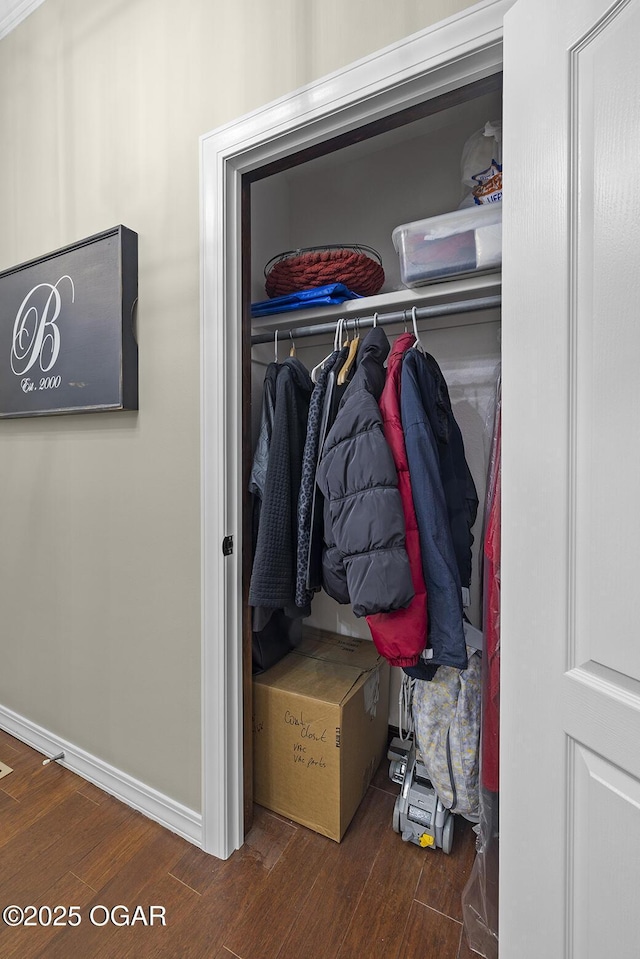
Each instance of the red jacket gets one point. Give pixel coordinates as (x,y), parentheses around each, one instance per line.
(401,635)
(491,625)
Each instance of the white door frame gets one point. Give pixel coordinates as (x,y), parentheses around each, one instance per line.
(456,51)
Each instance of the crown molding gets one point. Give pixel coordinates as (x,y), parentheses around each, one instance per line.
(13,12)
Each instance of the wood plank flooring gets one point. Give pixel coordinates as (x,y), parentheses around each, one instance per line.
(287,894)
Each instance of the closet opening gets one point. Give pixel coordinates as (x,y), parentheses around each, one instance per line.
(397,121)
(356,188)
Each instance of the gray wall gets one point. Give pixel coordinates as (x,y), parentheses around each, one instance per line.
(101,107)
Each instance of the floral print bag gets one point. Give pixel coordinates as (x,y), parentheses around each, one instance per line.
(446,718)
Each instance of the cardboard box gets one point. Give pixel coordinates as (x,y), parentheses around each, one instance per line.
(320,730)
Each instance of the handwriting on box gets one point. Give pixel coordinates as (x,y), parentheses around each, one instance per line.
(309,737)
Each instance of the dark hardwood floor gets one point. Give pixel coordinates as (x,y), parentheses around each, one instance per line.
(287,894)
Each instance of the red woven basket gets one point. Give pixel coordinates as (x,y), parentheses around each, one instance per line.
(358,267)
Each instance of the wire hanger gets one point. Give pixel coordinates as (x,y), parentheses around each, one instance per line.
(275,348)
(315,372)
(375,320)
(414,319)
(292,351)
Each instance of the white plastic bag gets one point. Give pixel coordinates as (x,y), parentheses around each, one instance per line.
(481,165)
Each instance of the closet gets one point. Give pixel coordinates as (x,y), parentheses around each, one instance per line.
(570,287)
(345,161)
(404,168)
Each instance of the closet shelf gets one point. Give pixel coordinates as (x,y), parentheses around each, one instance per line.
(477,287)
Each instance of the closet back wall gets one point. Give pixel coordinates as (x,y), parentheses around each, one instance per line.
(101,107)
(470,361)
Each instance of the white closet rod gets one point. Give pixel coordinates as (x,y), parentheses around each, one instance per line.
(384,319)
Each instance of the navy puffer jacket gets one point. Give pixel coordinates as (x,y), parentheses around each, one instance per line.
(365,562)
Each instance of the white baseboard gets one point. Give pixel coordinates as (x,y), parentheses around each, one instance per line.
(164,810)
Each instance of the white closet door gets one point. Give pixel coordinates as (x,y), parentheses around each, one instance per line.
(570,787)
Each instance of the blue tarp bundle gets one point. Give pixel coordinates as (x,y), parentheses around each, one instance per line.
(328,295)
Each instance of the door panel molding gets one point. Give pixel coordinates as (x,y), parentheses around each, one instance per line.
(602,331)
(602,709)
(604,821)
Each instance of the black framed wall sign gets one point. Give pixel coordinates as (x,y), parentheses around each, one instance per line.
(66,329)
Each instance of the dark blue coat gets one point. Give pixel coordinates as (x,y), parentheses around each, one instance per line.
(445,501)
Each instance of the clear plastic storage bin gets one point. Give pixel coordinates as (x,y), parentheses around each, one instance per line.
(464,241)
